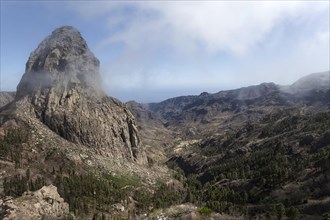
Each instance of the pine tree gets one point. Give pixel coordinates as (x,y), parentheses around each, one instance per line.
(280,211)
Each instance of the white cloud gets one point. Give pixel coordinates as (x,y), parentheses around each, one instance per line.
(233,27)
(192,32)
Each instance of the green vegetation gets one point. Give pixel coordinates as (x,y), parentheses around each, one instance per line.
(11,145)
(96,194)
(122,181)
(90,192)
(19,184)
(167,195)
(244,185)
(204,211)
(292,213)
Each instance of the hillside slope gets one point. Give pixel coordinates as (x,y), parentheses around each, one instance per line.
(259,151)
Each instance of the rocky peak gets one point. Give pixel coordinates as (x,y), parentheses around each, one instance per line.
(61,63)
(62,84)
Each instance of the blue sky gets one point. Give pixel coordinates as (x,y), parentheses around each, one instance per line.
(150,51)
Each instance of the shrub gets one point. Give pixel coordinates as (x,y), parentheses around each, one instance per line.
(204,211)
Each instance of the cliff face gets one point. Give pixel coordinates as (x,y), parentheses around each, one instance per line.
(62,83)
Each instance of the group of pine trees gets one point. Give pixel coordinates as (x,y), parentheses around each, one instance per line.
(269,166)
(11,145)
(18,184)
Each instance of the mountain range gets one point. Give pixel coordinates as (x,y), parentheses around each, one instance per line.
(258,152)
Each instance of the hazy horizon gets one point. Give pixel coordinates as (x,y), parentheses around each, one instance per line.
(151,51)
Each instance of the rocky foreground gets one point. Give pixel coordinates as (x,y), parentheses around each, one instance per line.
(44,203)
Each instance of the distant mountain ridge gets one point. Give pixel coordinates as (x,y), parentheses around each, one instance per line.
(315,81)
(206,112)
(310,82)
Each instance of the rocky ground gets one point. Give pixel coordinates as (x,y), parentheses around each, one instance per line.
(44,203)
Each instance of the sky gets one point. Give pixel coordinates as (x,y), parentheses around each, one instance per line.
(153,50)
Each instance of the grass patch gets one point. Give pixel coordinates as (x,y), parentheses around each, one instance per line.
(205,211)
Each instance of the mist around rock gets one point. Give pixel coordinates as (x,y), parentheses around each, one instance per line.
(64,60)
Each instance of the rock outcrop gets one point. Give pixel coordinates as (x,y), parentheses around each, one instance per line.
(44,203)
(62,84)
